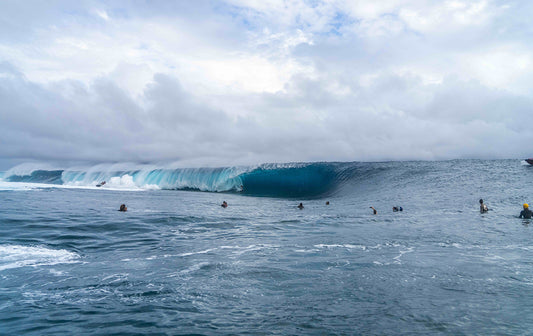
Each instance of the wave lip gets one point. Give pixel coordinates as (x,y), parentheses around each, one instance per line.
(36,176)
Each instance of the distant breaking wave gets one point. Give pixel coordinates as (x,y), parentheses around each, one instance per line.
(273,180)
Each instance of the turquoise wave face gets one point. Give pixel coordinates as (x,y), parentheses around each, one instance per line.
(309,181)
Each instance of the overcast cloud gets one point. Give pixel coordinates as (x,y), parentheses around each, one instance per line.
(247,81)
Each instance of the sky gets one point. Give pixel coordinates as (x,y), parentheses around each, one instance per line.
(241,82)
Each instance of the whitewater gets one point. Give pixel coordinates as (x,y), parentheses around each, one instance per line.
(178,263)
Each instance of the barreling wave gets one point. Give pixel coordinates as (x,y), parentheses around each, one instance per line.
(273,180)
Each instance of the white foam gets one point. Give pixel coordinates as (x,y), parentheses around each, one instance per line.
(15,256)
(22,186)
(237,249)
(193,268)
(151,187)
(306,251)
(397,259)
(198,252)
(122,181)
(348,246)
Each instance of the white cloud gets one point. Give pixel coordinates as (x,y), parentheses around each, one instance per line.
(102,14)
(447,16)
(502,66)
(371,10)
(252,81)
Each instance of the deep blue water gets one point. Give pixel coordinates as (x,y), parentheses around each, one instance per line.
(177,263)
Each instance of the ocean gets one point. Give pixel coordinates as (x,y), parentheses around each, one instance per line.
(177,263)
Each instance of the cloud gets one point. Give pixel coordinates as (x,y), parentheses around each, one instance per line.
(242,82)
(390,118)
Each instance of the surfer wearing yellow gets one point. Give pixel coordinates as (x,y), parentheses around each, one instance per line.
(526,213)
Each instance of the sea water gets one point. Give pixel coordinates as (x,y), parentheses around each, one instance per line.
(178,263)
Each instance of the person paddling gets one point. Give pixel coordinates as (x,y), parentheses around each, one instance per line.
(483,207)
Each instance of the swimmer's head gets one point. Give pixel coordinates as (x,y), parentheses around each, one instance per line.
(481,201)
(526,205)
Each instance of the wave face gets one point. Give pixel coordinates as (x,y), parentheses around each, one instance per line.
(272,180)
(311,180)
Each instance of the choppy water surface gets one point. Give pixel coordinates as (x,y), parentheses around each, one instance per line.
(177,263)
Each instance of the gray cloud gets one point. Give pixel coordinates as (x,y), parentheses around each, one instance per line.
(101,123)
(239,83)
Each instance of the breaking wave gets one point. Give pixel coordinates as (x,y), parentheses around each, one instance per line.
(272,180)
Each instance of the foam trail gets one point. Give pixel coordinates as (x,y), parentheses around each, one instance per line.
(14,256)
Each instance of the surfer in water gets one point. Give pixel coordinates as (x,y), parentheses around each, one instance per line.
(374,210)
(300,206)
(224,204)
(483,207)
(123,208)
(397,208)
(526,213)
